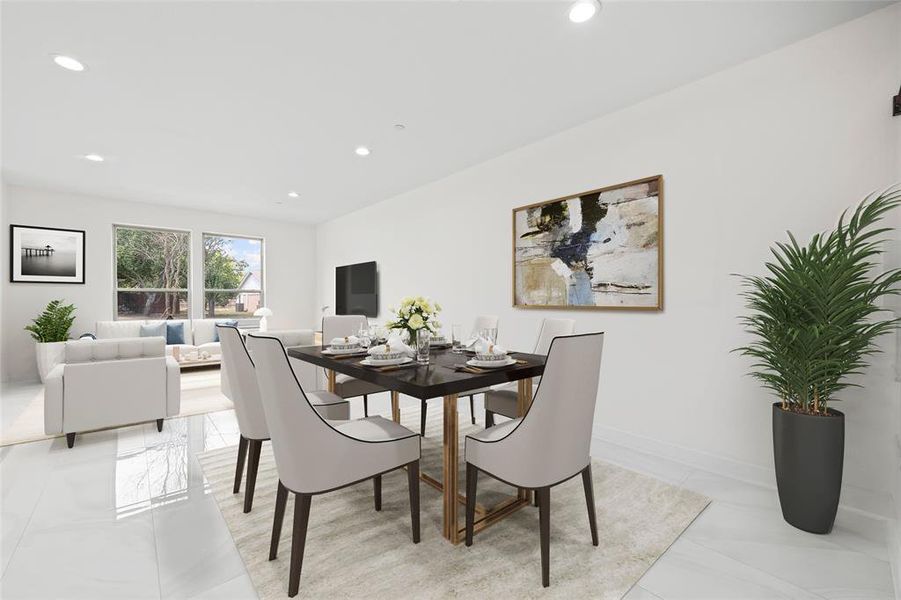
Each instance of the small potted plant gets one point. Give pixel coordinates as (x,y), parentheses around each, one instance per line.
(815,318)
(51,330)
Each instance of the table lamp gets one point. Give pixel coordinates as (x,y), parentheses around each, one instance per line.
(262,312)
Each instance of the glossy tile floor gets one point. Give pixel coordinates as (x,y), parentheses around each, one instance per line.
(127,514)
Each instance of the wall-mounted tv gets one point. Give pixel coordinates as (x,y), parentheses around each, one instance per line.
(357,290)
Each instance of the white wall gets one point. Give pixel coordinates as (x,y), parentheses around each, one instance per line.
(288,269)
(785,141)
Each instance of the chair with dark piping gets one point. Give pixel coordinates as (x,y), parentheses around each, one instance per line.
(547,446)
(314,456)
(482,322)
(249,411)
(502,399)
(346,386)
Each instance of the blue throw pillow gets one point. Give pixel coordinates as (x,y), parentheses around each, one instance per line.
(175,333)
(231,322)
(154,330)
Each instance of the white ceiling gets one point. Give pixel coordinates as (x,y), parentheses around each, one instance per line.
(227,106)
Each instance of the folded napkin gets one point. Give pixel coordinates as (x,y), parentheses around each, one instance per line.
(351,339)
(394,344)
(484,346)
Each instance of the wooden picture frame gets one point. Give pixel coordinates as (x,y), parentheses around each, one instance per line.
(46,255)
(612,261)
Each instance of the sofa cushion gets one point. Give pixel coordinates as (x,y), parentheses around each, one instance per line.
(118,329)
(154,329)
(175,332)
(80,351)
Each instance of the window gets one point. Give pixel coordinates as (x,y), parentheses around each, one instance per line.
(152,272)
(232,276)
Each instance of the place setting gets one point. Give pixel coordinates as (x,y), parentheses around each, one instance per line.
(392,355)
(487,356)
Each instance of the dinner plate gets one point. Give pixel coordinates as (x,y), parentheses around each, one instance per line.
(357,350)
(386,363)
(491,364)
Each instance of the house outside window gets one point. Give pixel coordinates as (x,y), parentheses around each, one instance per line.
(232,275)
(152,272)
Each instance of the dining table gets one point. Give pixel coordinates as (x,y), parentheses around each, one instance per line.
(446,376)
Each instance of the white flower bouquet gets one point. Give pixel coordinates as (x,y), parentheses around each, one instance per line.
(415,313)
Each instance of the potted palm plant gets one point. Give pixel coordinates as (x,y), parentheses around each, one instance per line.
(50,330)
(814,321)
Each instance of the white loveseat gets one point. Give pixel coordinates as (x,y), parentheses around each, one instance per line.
(200,334)
(108,383)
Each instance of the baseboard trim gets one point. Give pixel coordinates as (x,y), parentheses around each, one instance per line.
(853,498)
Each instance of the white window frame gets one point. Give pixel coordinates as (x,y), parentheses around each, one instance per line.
(117,289)
(247,321)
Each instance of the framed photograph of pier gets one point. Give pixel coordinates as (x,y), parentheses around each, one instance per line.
(45,255)
(601,249)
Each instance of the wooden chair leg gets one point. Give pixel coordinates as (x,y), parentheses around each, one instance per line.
(239,469)
(70,439)
(159,424)
(489,419)
(413,483)
(544,522)
(253,465)
(281,499)
(422,413)
(298,540)
(472,479)
(589,500)
(472,410)
(365,405)
(377,491)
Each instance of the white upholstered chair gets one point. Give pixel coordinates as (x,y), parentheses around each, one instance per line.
(346,386)
(245,394)
(314,456)
(502,399)
(548,445)
(481,322)
(108,383)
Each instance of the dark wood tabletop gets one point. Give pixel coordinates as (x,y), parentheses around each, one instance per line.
(438,378)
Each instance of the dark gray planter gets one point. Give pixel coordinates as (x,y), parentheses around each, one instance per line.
(809,451)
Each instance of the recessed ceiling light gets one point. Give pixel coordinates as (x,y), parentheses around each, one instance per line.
(583,10)
(94,157)
(400,126)
(67,62)
(293,195)
(362,151)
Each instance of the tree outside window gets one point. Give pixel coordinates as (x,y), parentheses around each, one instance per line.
(152,267)
(232,276)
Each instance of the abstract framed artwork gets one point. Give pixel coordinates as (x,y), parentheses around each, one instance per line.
(46,255)
(601,249)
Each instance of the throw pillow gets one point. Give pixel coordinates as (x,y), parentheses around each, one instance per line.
(175,333)
(154,330)
(231,322)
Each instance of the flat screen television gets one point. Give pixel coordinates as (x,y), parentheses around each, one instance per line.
(357,289)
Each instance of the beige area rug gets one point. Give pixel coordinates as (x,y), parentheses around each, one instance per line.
(22,413)
(354,552)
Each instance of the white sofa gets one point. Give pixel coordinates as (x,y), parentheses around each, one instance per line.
(200,334)
(108,383)
(307,373)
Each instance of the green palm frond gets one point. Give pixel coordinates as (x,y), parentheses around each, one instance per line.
(814,316)
(54,323)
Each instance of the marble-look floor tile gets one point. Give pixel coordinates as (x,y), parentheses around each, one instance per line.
(640,593)
(239,588)
(690,571)
(173,470)
(653,466)
(102,559)
(23,477)
(194,547)
(732,491)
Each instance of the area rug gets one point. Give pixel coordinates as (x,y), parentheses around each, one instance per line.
(354,552)
(200,394)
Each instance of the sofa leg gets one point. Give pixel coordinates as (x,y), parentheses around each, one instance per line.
(70,439)
(159,424)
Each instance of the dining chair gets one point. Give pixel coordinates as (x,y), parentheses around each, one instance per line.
(502,399)
(546,446)
(481,322)
(314,456)
(346,386)
(252,424)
